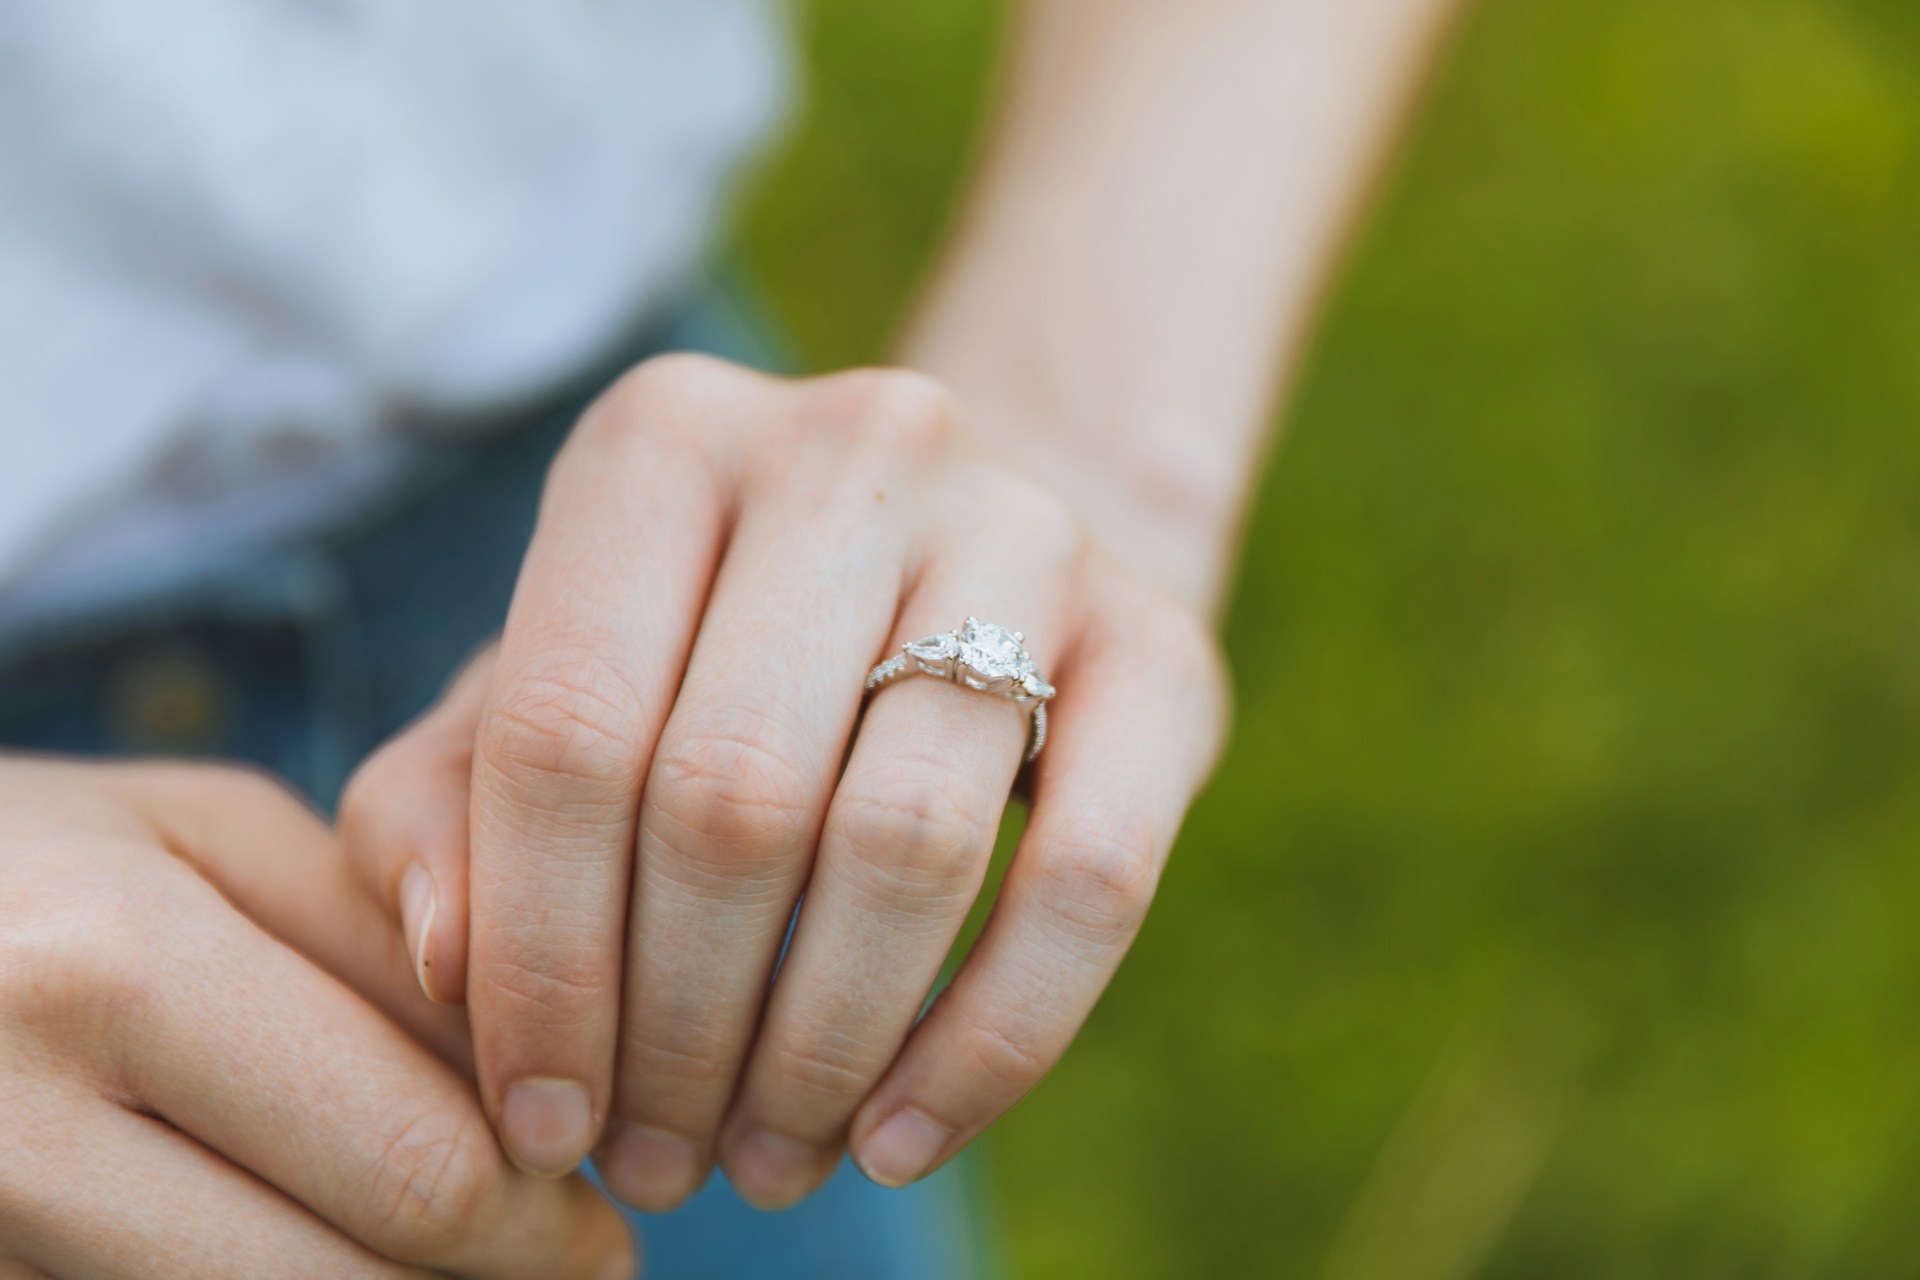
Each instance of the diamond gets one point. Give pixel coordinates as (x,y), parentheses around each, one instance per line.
(886,671)
(993,652)
(934,648)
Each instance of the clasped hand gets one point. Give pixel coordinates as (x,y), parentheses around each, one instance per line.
(597,842)
(661,756)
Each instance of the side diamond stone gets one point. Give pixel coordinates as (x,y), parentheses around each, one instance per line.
(886,671)
(1036,687)
(934,648)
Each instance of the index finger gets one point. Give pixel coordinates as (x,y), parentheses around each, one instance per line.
(318,1093)
(598,633)
(322,1097)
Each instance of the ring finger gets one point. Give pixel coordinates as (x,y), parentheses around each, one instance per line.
(903,853)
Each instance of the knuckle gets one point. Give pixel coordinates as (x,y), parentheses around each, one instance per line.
(361,806)
(359,797)
(826,1063)
(431,1187)
(733,790)
(221,789)
(1190,658)
(662,410)
(1134,623)
(245,785)
(76,947)
(1051,531)
(911,832)
(1009,1056)
(659,394)
(676,375)
(1190,651)
(571,720)
(548,978)
(1099,882)
(896,409)
(697,1060)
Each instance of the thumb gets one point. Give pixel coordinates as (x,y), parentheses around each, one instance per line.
(403,825)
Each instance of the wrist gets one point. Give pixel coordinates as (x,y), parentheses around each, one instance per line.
(1152,433)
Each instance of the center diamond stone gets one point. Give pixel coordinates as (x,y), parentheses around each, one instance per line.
(992,651)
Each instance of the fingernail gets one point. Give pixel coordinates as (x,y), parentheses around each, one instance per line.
(418,902)
(771,1171)
(546,1125)
(902,1149)
(650,1168)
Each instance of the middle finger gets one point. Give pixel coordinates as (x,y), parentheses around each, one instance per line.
(730,811)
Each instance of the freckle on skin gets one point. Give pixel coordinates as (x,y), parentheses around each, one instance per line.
(879,495)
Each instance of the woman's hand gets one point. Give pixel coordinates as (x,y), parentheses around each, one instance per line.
(652,770)
(190,1084)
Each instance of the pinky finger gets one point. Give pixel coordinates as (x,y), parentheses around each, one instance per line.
(1124,761)
(403,824)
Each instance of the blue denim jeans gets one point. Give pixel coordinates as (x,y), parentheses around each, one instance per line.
(304,658)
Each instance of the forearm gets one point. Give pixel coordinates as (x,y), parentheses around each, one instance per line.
(1167,188)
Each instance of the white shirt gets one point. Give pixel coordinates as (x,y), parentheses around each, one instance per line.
(243,243)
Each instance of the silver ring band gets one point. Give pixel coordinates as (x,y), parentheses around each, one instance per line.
(982,657)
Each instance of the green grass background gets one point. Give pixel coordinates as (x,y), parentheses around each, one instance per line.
(1556,912)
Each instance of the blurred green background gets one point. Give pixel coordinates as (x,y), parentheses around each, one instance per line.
(1557,909)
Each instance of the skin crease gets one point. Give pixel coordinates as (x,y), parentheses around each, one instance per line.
(210,1040)
(1097,357)
(631,798)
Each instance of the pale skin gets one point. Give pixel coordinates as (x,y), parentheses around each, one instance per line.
(633,791)
(214,1060)
(597,839)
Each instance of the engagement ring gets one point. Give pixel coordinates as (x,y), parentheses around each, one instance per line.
(983,657)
